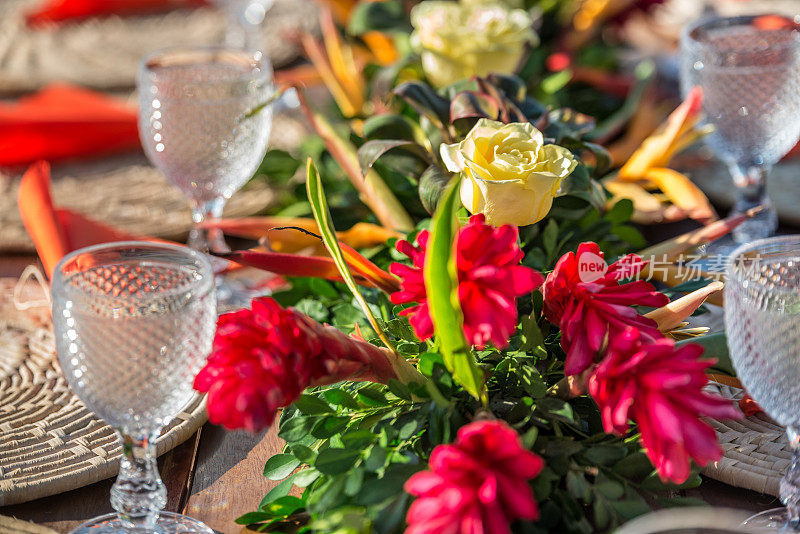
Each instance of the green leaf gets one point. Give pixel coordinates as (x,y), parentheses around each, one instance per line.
(427,362)
(375,491)
(278,166)
(372,395)
(329,426)
(605,454)
(371,151)
(578,487)
(358,439)
(629,509)
(319,206)
(280,466)
(399,389)
(283,507)
(376,458)
(610,490)
(426,102)
(302,453)
(635,466)
(334,461)
(550,237)
(621,211)
(322,288)
(305,477)
(313,308)
(432,184)
(441,283)
(253,517)
(473,105)
(311,405)
(281,490)
(296,428)
(378,16)
(601,513)
(654,483)
(340,397)
(354,481)
(388,126)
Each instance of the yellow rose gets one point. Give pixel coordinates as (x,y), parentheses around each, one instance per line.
(457,40)
(507,172)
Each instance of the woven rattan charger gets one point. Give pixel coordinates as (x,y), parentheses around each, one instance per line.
(49,441)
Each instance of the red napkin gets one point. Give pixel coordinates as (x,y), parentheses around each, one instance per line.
(52,11)
(64,121)
(57,232)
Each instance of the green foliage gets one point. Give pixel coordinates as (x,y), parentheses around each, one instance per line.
(350,447)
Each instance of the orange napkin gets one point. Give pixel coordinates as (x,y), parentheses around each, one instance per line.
(57,232)
(52,11)
(63,121)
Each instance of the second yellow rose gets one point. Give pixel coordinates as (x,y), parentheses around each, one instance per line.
(471,38)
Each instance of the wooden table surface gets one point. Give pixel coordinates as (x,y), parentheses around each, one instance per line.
(215,476)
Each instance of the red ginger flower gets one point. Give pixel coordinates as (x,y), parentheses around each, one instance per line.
(490,279)
(478,484)
(589,304)
(264,357)
(660,387)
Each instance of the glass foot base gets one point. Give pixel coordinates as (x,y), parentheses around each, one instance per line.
(774,520)
(168,523)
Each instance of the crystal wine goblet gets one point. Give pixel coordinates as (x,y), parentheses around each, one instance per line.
(203,122)
(762,320)
(748,69)
(134,323)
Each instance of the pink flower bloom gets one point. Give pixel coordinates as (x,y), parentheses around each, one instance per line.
(264,357)
(478,484)
(590,305)
(660,387)
(490,279)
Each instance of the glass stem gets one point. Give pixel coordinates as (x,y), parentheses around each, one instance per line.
(790,484)
(207,239)
(751,192)
(138,495)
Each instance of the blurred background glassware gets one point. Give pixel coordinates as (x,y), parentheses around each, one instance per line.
(203,123)
(762,320)
(687,520)
(748,68)
(245,18)
(134,322)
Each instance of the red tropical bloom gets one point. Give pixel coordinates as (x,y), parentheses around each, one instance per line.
(660,387)
(490,279)
(478,484)
(264,357)
(584,298)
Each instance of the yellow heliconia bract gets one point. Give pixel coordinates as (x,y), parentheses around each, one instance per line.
(507,171)
(471,38)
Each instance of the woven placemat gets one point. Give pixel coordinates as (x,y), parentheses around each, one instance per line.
(125,193)
(105,52)
(757,452)
(49,441)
